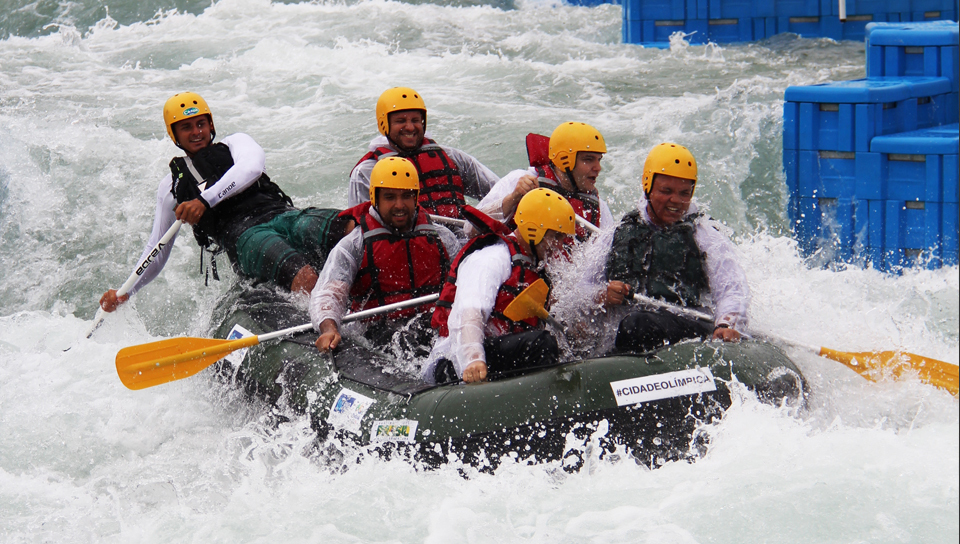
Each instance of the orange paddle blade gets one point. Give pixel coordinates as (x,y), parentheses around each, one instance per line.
(160,362)
(529,303)
(875,365)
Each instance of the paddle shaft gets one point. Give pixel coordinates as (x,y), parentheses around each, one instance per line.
(135,275)
(453,221)
(224,347)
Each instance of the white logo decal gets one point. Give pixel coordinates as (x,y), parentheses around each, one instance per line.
(348,409)
(663,386)
(236,333)
(393,430)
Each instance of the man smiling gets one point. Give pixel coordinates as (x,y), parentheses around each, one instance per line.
(446,174)
(221,189)
(667,250)
(396,254)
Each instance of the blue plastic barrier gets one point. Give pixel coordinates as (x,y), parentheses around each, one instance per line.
(828,227)
(872,165)
(919,165)
(907,233)
(847,115)
(726,21)
(914,49)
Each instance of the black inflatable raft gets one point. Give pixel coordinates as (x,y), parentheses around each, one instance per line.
(648,406)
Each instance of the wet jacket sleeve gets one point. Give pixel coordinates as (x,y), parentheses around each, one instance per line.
(492,204)
(331,295)
(359,190)
(163,218)
(478,280)
(477,178)
(249,161)
(728,282)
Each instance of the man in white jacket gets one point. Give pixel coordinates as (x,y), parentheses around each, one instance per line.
(393,255)
(477,338)
(447,175)
(221,189)
(667,250)
(569,164)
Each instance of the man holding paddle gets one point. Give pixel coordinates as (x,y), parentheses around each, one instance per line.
(667,251)
(478,338)
(394,255)
(221,189)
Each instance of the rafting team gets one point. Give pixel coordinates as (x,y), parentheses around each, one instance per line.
(392,244)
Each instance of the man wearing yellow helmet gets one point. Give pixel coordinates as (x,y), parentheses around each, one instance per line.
(446,174)
(477,339)
(221,189)
(667,250)
(569,163)
(396,254)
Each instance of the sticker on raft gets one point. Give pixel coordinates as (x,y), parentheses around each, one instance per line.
(236,333)
(348,409)
(663,386)
(393,430)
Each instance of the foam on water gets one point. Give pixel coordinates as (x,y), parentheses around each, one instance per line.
(82,149)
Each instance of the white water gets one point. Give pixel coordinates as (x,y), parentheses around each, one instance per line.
(82,148)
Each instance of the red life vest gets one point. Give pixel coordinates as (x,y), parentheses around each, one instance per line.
(397,266)
(441,188)
(586,205)
(522,274)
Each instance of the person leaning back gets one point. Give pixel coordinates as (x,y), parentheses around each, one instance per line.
(570,166)
(221,189)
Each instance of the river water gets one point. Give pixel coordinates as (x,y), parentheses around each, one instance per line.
(82,148)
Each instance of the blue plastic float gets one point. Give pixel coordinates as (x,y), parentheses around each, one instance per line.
(871,164)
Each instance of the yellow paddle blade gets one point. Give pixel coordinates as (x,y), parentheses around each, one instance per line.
(875,365)
(529,303)
(160,362)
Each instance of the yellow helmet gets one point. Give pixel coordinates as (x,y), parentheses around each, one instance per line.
(671,159)
(184,106)
(570,138)
(393,173)
(541,210)
(398,99)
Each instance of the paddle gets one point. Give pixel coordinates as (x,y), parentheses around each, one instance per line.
(530,303)
(452,221)
(872,365)
(146,365)
(147,262)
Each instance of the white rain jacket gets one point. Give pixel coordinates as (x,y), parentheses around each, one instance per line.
(478,281)
(249,161)
(729,293)
(330,298)
(477,179)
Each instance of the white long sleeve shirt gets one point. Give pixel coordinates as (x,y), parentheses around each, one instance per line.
(478,281)
(729,291)
(477,179)
(249,161)
(331,296)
